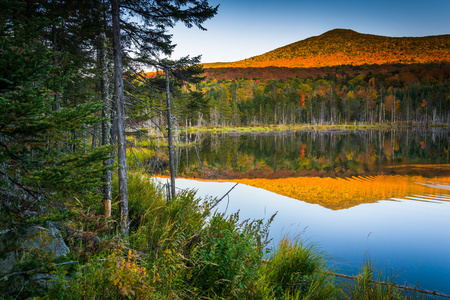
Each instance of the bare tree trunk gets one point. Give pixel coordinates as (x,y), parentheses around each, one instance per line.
(235,114)
(119,100)
(169,136)
(106,139)
(381,104)
(367,108)
(407,114)
(94,136)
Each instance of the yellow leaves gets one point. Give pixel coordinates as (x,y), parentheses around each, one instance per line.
(350,95)
(128,276)
(390,102)
(349,156)
(338,193)
(157,278)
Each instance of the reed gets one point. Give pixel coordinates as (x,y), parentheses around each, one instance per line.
(294,271)
(371,283)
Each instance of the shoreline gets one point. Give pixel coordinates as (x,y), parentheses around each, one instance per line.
(296,127)
(300,127)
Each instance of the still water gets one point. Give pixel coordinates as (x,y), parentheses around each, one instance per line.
(405,231)
(408,237)
(315,153)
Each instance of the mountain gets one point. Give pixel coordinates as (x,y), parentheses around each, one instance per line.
(347,47)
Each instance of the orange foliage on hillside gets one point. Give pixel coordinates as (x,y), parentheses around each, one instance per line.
(338,59)
(347,47)
(427,71)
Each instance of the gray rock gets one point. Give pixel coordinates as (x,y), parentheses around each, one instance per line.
(44,280)
(7,253)
(46,238)
(7,262)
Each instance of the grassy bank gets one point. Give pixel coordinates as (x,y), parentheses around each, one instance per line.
(278,128)
(291,127)
(182,249)
(299,127)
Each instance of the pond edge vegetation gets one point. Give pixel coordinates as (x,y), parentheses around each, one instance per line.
(182,249)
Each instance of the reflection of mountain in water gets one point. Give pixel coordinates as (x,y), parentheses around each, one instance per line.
(317,153)
(340,193)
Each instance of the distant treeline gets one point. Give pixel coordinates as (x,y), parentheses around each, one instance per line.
(418,93)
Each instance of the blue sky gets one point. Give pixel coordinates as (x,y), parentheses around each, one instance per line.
(243,29)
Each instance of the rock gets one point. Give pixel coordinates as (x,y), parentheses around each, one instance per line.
(7,262)
(7,253)
(46,238)
(43,280)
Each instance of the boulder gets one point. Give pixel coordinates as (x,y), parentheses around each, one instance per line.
(7,253)
(43,237)
(46,238)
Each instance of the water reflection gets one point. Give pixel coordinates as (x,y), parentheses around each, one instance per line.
(316,153)
(409,235)
(339,193)
(336,172)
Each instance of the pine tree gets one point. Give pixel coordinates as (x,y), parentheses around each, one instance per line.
(42,161)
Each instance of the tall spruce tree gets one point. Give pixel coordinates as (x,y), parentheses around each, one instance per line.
(49,106)
(145,25)
(42,162)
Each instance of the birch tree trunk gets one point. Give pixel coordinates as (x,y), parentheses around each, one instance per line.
(106,127)
(119,101)
(169,135)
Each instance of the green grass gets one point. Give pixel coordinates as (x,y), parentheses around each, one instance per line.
(298,127)
(295,271)
(181,249)
(292,127)
(371,283)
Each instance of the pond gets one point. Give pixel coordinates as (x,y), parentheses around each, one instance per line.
(356,194)
(315,153)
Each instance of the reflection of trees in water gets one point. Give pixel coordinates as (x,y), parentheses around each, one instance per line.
(329,153)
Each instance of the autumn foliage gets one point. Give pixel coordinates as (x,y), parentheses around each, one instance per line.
(340,193)
(347,47)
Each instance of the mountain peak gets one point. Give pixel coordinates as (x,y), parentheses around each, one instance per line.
(340,31)
(348,47)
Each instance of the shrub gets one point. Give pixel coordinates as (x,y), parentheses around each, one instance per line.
(295,271)
(228,257)
(181,250)
(120,275)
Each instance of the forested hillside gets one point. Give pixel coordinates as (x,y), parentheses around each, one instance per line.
(347,47)
(338,77)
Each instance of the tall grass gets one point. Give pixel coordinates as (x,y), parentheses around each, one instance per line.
(294,271)
(183,250)
(372,283)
